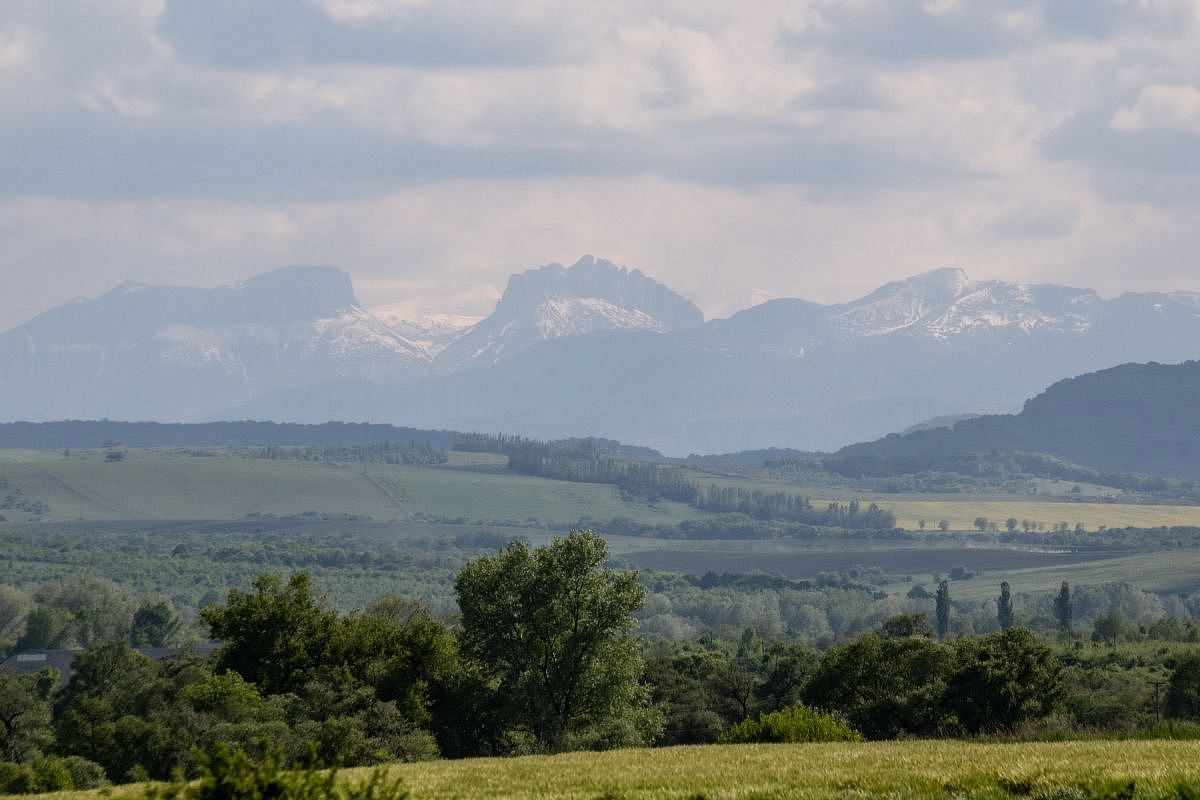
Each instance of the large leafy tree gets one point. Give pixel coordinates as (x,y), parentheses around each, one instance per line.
(551,633)
(277,636)
(25,714)
(884,686)
(1183,692)
(1002,680)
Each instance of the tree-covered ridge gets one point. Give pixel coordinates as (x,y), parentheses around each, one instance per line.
(1135,418)
(982,469)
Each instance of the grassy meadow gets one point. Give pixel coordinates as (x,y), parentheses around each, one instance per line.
(906,769)
(219,484)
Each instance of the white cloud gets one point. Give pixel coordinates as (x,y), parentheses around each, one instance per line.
(1163,107)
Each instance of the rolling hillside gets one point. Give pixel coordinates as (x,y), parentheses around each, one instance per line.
(1131,418)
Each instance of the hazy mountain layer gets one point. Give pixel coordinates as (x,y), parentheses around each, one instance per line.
(592,349)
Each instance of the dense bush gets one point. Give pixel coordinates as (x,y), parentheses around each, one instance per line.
(798,723)
(228,774)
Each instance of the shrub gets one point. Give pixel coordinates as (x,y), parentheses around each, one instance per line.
(84,774)
(798,723)
(229,774)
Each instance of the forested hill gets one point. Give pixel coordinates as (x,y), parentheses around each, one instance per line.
(84,434)
(1132,418)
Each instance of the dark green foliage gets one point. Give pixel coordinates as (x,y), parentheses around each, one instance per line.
(1004,607)
(276,637)
(1108,628)
(686,686)
(902,625)
(1064,609)
(550,633)
(230,774)
(943,610)
(1002,680)
(795,724)
(50,774)
(25,714)
(1183,691)
(154,625)
(884,687)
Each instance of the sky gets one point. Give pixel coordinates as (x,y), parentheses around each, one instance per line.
(733,151)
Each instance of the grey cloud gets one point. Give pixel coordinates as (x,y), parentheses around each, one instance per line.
(276,33)
(1101,19)
(1036,223)
(829,166)
(845,95)
(1146,165)
(906,30)
(107,155)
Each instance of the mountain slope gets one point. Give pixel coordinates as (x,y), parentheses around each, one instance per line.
(1131,418)
(153,352)
(556,301)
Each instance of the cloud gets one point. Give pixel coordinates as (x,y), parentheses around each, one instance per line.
(960,30)
(1036,222)
(1161,108)
(281,33)
(905,30)
(1101,19)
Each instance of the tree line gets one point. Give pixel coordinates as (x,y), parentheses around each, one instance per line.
(416,452)
(594,461)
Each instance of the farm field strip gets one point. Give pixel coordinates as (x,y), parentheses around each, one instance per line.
(477,494)
(962,509)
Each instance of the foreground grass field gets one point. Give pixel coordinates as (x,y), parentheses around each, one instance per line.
(915,769)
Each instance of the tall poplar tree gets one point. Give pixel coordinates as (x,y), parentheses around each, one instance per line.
(1004,607)
(943,609)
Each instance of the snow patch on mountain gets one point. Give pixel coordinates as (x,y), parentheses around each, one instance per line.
(432,332)
(358,337)
(576,316)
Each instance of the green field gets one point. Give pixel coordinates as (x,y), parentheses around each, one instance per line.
(176,484)
(502,495)
(911,769)
(1173,571)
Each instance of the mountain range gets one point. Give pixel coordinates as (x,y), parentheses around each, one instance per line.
(590,349)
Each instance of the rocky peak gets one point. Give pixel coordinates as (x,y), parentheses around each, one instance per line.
(554,301)
(590,278)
